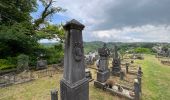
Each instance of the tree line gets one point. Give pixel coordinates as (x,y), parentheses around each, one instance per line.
(20,32)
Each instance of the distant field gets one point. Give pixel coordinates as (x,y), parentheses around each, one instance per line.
(155,85)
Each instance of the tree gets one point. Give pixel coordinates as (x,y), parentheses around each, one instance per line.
(19,34)
(16,11)
(49,10)
(51,32)
(15,40)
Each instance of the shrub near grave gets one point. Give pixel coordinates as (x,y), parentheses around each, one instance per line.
(5,64)
(23,62)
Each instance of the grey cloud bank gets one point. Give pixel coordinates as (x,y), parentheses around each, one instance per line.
(121,20)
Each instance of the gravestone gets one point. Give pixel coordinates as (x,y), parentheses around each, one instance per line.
(103,72)
(116,63)
(140,83)
(136,90)
(122,75)
(140,73)
(127,67)
(41,64)
(74,85)
(54,94)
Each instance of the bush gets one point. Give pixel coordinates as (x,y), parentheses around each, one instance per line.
(22,62)
(55,54)
(6,64)
(142,50)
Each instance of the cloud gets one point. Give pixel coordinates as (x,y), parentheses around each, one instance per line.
(121,20)
(147,33)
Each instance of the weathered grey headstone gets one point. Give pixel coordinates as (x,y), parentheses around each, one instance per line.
(88,74)
(127,67)
(74,85)
(140,73)
(54,94)
(136,90)
(139,80)
(103,71)
(41,64)
(116,63)
(122,74)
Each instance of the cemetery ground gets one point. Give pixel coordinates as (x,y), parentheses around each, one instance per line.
(155,85)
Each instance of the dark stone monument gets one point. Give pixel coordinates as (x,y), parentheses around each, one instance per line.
(41,64)
(103,71)
(127,67)
(54,95)
(139,77)
(139,80)
(136,90)
(74,85)
(140,73)
(122,74)
(116,63)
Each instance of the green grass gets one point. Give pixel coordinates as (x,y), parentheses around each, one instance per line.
(155,85)
(156,79)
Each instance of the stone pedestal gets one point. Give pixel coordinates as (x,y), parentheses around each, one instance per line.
(76,91)
(74,85)
(103,76)
(98,84)
(116,70)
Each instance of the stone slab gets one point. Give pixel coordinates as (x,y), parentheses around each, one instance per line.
(98,84)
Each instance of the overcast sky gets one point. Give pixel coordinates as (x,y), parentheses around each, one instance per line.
(119,20)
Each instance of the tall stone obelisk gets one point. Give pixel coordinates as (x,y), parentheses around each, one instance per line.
(74,85)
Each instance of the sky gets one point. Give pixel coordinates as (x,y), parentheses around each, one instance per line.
(117,20)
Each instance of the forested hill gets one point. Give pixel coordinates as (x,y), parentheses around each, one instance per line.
(93,46)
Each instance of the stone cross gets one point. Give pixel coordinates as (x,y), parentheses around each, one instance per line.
(74,85)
